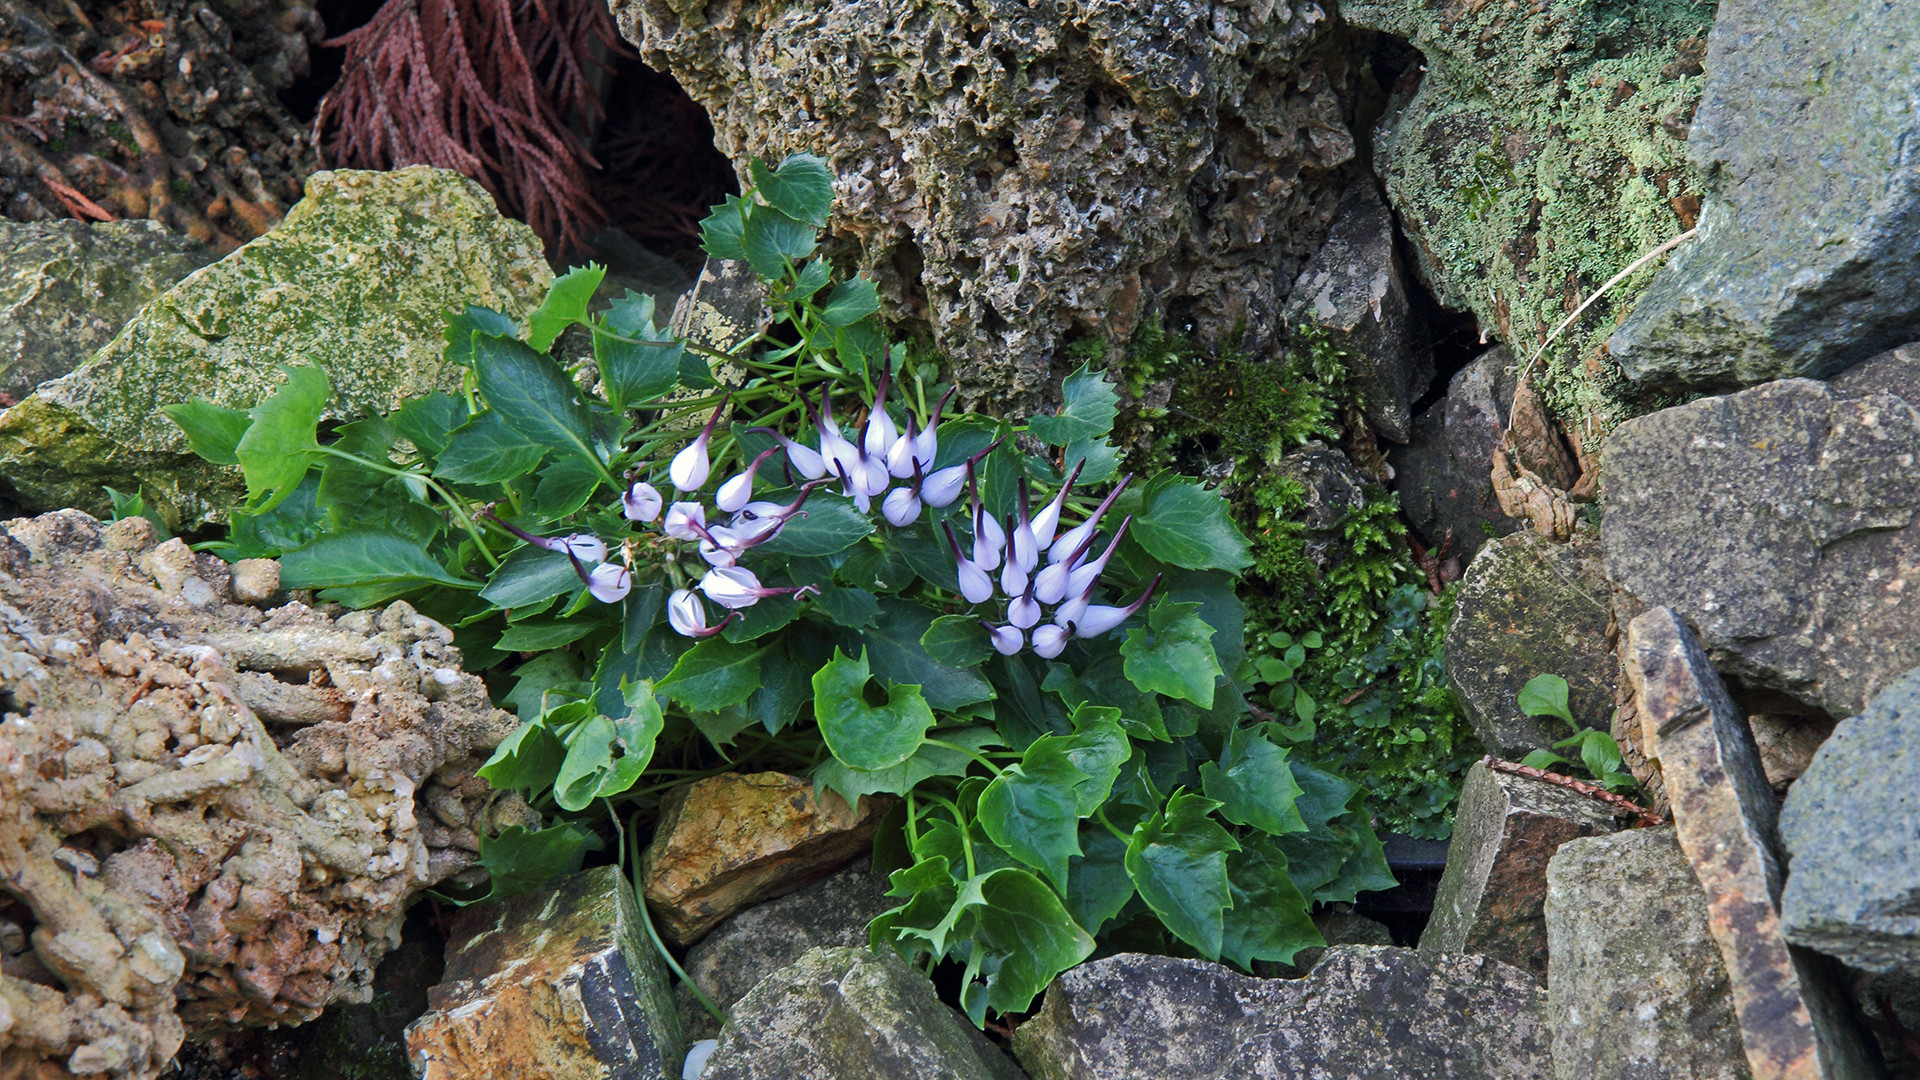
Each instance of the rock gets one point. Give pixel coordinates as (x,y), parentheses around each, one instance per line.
(732,840)
(1541,151)
(1355,290)
(1331,487)
(1442,473)
(1792,1018)
(66,287)
(365,1041)
(1782,523)
(757,941)
(1636,989)
(1019,179)
(1364,1011)
(554,985)
(851,1014)
(1808,238)
(1787,743)
(1505,830)
(357,280)
(1890,1006)
(255,581)
(1528,606)
(180,866)
(1854,839)
(1338,924)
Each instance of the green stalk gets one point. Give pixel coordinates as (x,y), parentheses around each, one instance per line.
(457,505)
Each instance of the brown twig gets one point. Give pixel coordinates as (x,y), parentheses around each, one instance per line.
(1620,803)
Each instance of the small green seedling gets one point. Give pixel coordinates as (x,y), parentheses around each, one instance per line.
(1546,695)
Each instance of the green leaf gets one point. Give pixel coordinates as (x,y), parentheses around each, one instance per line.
(280,443)
(1097,882)
(1178,860)
(831,525)
(802,187)
(1173,654)
(957,641)
(529,575)
(722,228)
(915,928)
(554,671)
(785,689)
(462,327)
(533,396)
(630,314)
(1268,919)
(1253,784)
(1187,525)
(353,493)
(526,760)
(566,304)
(852,608)
(1098,747)
(294,523)
(565,486)
(541,636)
(861,735)
(518,861)
(772,240)
(212,430)
(1087,413)
(928,761)
(713,674)
(1022,940)
(428,421)
(1101,460)
(1546,695)
(852,301)
(1105,682)
(1030,809)
(362,559)
(811,279)
(898,657)
(486,451)
(606,756)
(1364,869)
(636,374)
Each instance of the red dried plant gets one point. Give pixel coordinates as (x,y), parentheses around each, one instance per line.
(488,88)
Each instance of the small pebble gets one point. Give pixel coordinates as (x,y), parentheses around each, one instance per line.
(255,581)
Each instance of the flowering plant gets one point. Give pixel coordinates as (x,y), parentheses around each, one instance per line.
(1042,659)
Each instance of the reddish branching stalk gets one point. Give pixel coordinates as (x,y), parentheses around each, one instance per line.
(1621,804)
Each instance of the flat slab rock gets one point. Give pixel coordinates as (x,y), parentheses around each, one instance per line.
(1364,1012)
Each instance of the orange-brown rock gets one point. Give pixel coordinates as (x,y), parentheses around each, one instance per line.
(728,841)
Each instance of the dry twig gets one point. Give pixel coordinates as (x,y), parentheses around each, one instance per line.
(1621,804)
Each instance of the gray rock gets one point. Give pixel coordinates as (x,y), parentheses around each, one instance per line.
(1505,831)
(1784,523)
(1363,1012)
(1636,989)
(1810,233)
(1444,473)
(1851,825)
(1338,924)
(851,1014)
(1355,289)
(1331,487)
(1890,1006)
(66,287)
(1529,606)
(754,943)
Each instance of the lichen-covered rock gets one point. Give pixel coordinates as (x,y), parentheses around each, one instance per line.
(210,814)
(851,1014)
(358,280)
(1810,232)
(1543,151)
(1015,175)
(1364,1011)
(1636,989)
(66,287)
(1442,474)
(1854,839)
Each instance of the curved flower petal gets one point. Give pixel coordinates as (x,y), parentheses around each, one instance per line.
(642,502)
(1007,640)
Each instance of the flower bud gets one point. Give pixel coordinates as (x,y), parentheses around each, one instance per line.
(880,433)
(1071,540)
(609,583)
(901,462)
(686,521)
(901,507)
(732,586)
(1084,575)
(926,445)
(688,616)
(805,459)
(1049,640)
(1023,610)
(975,585)
(1006,640)
(642,502)
(1099,618)
(1048,519)
(738,492)
(690,467)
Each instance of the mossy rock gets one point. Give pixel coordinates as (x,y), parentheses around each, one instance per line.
(358,280)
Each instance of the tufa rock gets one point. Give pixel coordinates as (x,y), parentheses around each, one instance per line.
(1851,825)
(358,280)
(1364,1011)
(1505,831)
(1810,234)
(183,852)
(732,840)
(850,1014)
(66,287)
(1793,1020)
(1443,472)
(1528,606)
(1636,989)
(560,984)
(1016,178)
(1783,522)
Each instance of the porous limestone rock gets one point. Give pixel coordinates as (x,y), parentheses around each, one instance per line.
(66,287)
(210,814)
(1018,175)
(358,280)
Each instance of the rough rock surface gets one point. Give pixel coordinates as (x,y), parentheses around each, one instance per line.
(1543,150)
(1854,839)
(1529,606)
(1331,486)
(358,281)
(752,944)
(1810,233)
(1364,1011)
(559,984)
(849,1014)
(1636,989)
(1505,831)
(1355,289)
(1018,175)
(732,840)
(1784,523)
(211,814)
(1793,1021)
(1442,474)
(66,287)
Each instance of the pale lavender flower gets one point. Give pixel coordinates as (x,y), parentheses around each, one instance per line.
(901,507)
(1097,619)
(880,433)
(901,459)
(738,587)
(1049,640)
(1023,610)
(685,521)
(989,540)
(975,585)
(1007,640)
(642,502)
(738,492)
(688,616)
(691,466)
(1073,538)
(926,445)
(1047,521)
(804,459)
(609,583)
(1084,574)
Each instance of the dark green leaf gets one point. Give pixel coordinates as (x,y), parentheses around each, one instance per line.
(1187,525)
(525,760)
(565,486)
(785,689)
(1101,460)
(852,608)
(1105,682)
(928,761)
(486,451)
(566,304)
(1178,860)
(713,674)
(606,756)
(533,396)
(1022,940)
(852,301)
(279,444)
(929,891)
(1030,809)
(720,230)
(528,576)
(1364,869)
(540,636)
(637,374)
(862,735)
(897,656)
(1097,748)
(519,861)
(1253,784)
(555,671)
(831,524)
(811,279)
(957,641)
(294,523)
(212,430)
(462,327)
(630,314)
(859,347)
(353,493)
(1087,413)
(802,187)
(428,421)
(1544,695)
(1173,654)
(1097,882)
(773,240)
(1268,919)
(362,559)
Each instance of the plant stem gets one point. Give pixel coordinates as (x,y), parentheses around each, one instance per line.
(653,935)
(974,754)
(457,506)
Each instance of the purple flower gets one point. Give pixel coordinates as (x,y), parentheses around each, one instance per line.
(926,445)
(737,587)
(1083,576)
(1007,640)
(1071,540)
(1023,610)
(738,492)
(1048,519)
(642,502)
(989,540)
(880,434)
(1049,640)
(690,467)
(609,583)
(901,507)
(975,585)
(688,616)
(804,459)
(942,487)
(686,521)
(902,463)
(1097,619)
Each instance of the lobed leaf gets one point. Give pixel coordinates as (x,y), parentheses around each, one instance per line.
(1177,859)
(802,187)
(866,736)
(1187,525)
